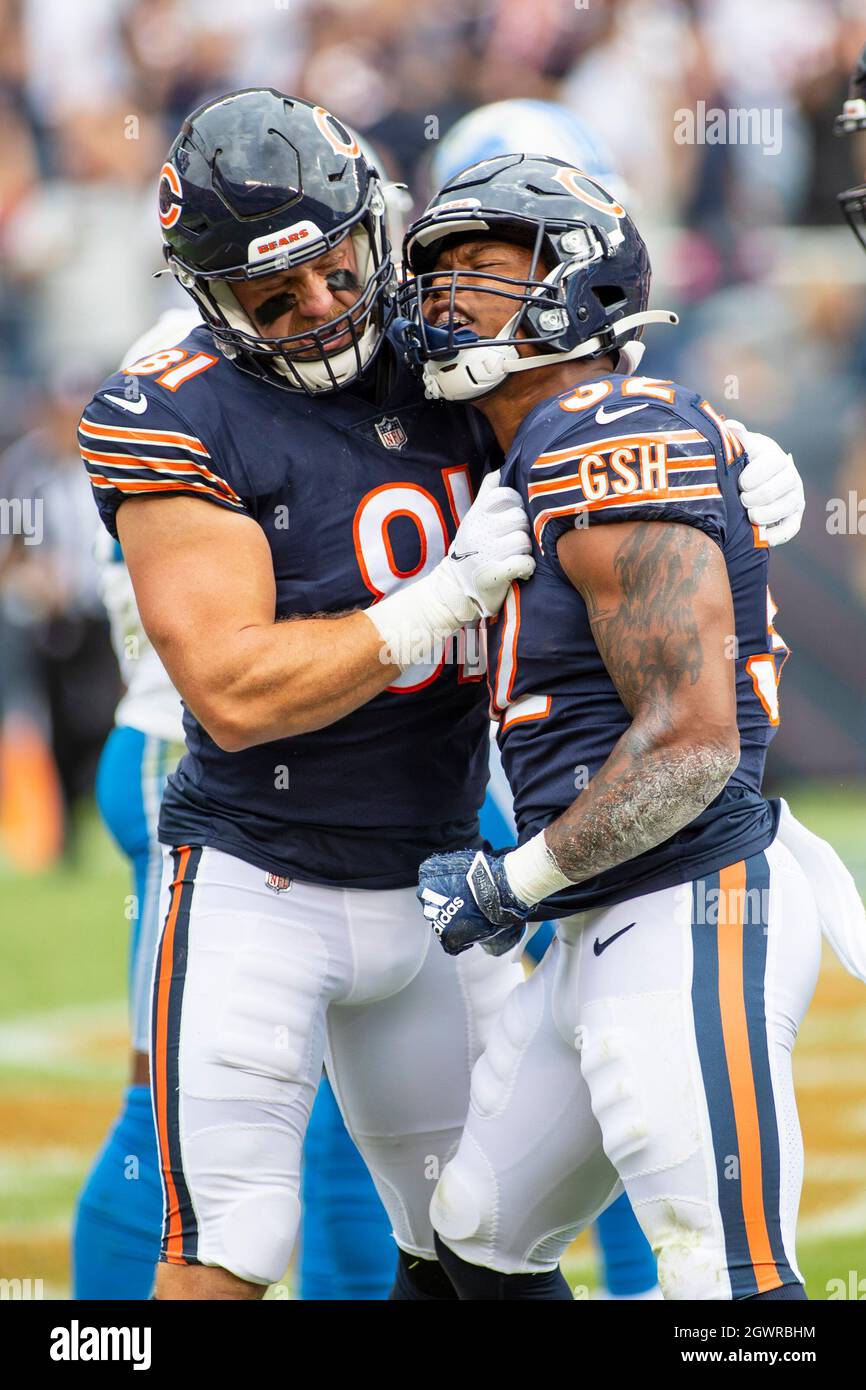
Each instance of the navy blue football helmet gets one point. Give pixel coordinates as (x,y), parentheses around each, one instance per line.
(257,182)
(586,290)
(853,118)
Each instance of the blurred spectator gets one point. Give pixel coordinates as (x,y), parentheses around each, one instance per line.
(57,664)
(88,238)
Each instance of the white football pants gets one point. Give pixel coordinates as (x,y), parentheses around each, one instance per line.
(252,990)
(651,1049)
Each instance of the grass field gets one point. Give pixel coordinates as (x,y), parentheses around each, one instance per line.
(63,1059)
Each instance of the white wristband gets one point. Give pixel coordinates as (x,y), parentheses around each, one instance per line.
(532,871)
(417,618)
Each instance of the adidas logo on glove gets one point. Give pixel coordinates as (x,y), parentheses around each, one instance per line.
(440,922)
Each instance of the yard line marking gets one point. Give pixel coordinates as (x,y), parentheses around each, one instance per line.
(846,1219)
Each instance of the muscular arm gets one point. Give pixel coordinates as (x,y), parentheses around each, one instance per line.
(204,583)
(660,607)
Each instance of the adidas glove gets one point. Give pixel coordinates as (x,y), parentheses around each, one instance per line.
(466,898)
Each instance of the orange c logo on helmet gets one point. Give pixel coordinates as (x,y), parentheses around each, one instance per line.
(326,124)
(169,196)
(569,178)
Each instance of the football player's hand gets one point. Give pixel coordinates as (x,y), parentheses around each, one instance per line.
(771,489)
(466,898)
(492,547)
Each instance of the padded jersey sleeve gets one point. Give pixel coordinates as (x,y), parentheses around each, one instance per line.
(656,465)
(134,454)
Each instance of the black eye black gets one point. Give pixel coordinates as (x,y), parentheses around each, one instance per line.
(272,309)
(280,303)
(342,280)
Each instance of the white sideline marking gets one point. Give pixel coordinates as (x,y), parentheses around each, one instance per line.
(845,1220)
(53,1037)
(832,1168)
(25,1168)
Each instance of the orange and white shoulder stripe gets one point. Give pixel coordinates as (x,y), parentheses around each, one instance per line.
(129,434)
(573,481)
(622,441)
(640,470)
(123,457)
(634,499)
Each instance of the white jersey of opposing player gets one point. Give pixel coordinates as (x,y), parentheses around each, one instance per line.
(151,702)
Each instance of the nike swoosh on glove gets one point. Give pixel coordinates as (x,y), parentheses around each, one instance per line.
(771,489)
(467,899)
(492,547)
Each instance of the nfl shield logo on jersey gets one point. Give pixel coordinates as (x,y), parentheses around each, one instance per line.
(391,433)
(278,884)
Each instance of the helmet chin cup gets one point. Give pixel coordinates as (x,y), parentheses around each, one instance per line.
(472,373)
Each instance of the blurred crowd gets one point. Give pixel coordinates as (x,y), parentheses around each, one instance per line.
(746,239)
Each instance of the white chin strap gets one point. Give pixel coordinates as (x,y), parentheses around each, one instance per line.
(314,374)
(475,371)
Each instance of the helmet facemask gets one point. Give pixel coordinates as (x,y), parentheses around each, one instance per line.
(302,362)
(853,200)
(853,205)
(850,121)
(460,365)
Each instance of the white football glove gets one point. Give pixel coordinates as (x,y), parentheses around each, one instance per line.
(771,489)
(492,547)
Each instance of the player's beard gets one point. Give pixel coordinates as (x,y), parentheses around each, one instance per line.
(342,341)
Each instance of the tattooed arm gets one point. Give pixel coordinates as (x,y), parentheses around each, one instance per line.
(660,607)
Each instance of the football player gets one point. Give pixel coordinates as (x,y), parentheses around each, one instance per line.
(274,477)
(639,667)
(115,1231)
(526,127)
(346,1247)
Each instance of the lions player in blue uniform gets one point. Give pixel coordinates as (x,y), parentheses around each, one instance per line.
(115,1233)
(639,667)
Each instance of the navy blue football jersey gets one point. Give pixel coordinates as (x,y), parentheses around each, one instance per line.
(614,450)
(353,497)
